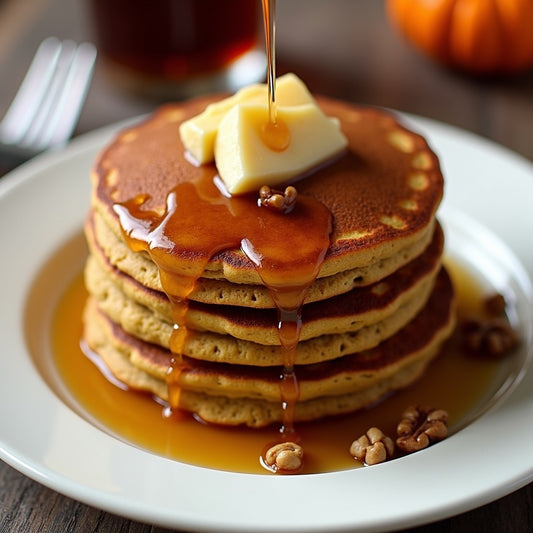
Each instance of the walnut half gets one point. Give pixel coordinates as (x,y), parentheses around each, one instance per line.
(490,335)
(493,337)
(373,447)
(284,457)
(282,201)
(420,427)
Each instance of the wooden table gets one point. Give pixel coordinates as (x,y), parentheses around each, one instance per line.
(342,48)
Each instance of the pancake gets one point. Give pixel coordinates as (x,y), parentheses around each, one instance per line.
(103,242)
(383,193)
(234,394)
(147,313)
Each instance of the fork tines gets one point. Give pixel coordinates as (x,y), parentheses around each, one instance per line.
(48,103)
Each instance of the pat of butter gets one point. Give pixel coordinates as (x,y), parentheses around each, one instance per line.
(245,162)
(198,134)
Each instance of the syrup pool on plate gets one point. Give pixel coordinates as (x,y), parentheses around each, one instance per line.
(464,386)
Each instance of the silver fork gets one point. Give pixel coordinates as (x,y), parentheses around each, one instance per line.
(47,106)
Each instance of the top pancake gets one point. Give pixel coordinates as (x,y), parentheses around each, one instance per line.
(382,193)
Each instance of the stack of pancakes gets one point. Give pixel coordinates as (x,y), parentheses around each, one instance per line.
(376,315)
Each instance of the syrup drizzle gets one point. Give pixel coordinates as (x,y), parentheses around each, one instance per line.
(198,222)
(275,133)
(269,19)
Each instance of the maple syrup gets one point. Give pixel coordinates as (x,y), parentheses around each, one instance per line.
(274,133)
(199,222)
(462,385)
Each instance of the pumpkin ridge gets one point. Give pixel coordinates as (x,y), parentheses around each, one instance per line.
(478,36)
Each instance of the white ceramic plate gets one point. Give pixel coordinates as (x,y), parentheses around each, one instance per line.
(489,195)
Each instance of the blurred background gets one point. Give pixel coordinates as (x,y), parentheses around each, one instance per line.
(342,48)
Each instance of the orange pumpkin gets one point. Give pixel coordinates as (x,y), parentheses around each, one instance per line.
(479,36)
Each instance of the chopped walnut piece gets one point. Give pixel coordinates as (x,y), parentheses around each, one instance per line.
(372,448)
(283,201)
(493,337)
(420,427)
(286,456)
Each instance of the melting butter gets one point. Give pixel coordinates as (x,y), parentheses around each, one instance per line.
(232,133)
(198,134)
